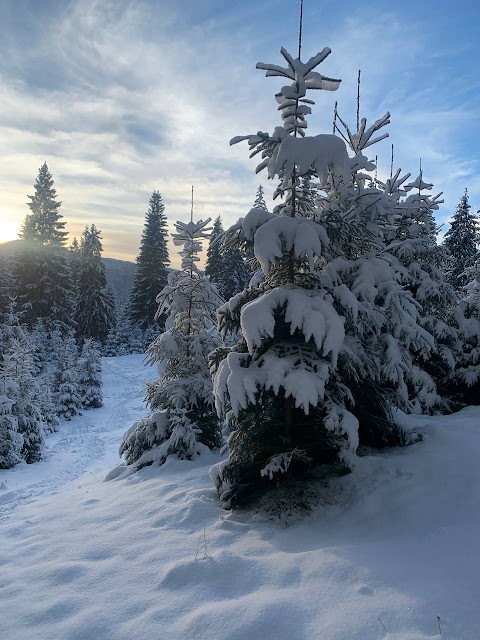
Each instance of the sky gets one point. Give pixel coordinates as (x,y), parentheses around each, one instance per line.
(123,97)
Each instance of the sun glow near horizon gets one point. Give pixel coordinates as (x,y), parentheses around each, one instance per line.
(9,228)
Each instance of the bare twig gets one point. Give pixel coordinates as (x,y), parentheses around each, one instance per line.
(203,546)
(358,100)
(382,624)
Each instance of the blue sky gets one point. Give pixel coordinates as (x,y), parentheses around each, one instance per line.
(124,97)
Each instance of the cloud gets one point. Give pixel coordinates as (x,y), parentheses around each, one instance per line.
(121,98)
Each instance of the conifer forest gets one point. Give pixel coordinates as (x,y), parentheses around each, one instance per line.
(264,424)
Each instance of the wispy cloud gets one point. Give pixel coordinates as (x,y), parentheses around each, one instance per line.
(123,97)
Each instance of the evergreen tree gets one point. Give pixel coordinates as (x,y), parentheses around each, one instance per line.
(328,335)
(125,337)
(11,441)
(27,410)
(215,264)
(260,199)
(413,241)
(182,398)
(19,384)
(237,274)
(466,378)
(42,271)
(462,241)
(65,378)
(44,224)
(7,285)
(44,343)
(226,264)
(44,285)
(90,378)
(152,262)
(96,306)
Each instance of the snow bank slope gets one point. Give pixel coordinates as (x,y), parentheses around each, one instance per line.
(118,559)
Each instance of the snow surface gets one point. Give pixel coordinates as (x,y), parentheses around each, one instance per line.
(151,555)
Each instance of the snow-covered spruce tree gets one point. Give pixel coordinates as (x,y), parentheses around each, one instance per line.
(10,440)
(413,241)
(90,375)
(260,199)
(95,313)
(183,419)
(465,381)
(44,344)
(463,242)
(66,391)
(226,264)
(326,335)
(152,262)
(44,283)
(237,272)
(19,384)
(215,263)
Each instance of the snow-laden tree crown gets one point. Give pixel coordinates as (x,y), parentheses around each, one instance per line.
(183,420)
(337,331)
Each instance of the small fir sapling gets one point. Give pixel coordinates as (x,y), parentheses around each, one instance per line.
(183,421)
(466,378)
(260,199)
(20,384)
(90,375)
(11,442)
(65,379)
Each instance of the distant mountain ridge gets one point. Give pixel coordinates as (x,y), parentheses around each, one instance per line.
(119,273)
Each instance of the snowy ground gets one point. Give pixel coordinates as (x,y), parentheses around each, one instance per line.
(82,558)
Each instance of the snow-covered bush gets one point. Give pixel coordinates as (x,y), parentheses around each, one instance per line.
(184,418)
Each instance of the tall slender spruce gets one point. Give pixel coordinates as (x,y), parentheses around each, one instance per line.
(463,242)
(44,225)
(215,263)
(152,262)
(42,271)
(95,314)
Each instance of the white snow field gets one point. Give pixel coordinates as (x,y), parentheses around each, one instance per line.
(152,556)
